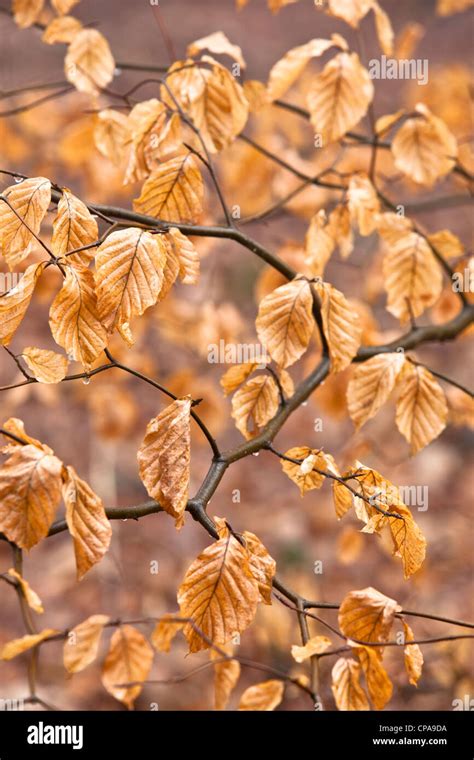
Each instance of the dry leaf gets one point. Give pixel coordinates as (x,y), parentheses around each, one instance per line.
(26,12)
(285,321)
(111,134)
(89,65)
(265,696)
(219,44)
(346,688)
(73,317)
(262,565)
(164,456)
(342,498)
(129,659)
(363,203)
(413,656)
(339,97)
(287,70)
(30,492)
(219,593)
(73,227)
(379,684)
(319,243)
(173,192)
(18,646)
(422,409)
(128,276)
(305,477)
(15,302)
(447,244)
(367,615)
(19,225)
(62,29)
(186,254)
(409,542)
(255,403)
(46,366)
(87,522)
(315,645)
(165,631)
(32,598)
(63,6)
(82,643)
(236,375)
(371,385)
(341,326)
(226,675)
(424,149)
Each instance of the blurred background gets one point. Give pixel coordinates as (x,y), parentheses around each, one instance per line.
(98,427)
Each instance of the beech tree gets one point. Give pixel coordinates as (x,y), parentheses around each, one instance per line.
(198,151)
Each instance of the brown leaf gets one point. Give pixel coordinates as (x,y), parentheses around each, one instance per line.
(235,376)
(341,326)
(73,317)
(285,321)
(173,192)
(342,498)
(315,645)
(379,684)
(409,541)
(46,366)
(265,696)
(18,646)
(165,631)
(305,477)
(82,643)
(339,97)
(32,598)
(63,6)
(186,254)
(219,593)
(128,276)
(111,134)
(371,385)
(129,659)
(89,65)
(422,409)
(262,565)
(87,522)
(413,656)
(62,29)
(256,402)
(29,200)
(219,44)
(30,492)
(15,302)
(367,615)
(226,675)
(73,227)
(363,203)
(346,688)
(26,12)
(287,70)
(164,456)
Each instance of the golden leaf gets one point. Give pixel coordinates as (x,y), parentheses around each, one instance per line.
(111,134)
(235,376)
(164,455)
(165,631)
(15,302)
(128,276)
(265,696)
(262,565)
(422,409)
(424,149)
(82,643)
(62,29)
(412,277)
(17,427)
(379,684)
(89,65)
(367,615)
(413,656)
(18,646)
(305,477)
(319,243)
(173,192)
(63,6)
(341,230)
(342,498)
(219,44)
(219,594)
(255,402)
(30,492)
(186,254)
(341,326)
(409,542)
(315,645)
(351,11)
(26,12)
(46,366)
(226,675)
(256,94)
(87,522)
(285,321)
(384,29)
(446,243)
(371,385)
(363,203)
(152,137)
(73,317)
(448,7)
(73,227)
(346,688)
(129,659)
(32,598)
(287,70)
(339,97)
(385,123)
(29,200)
